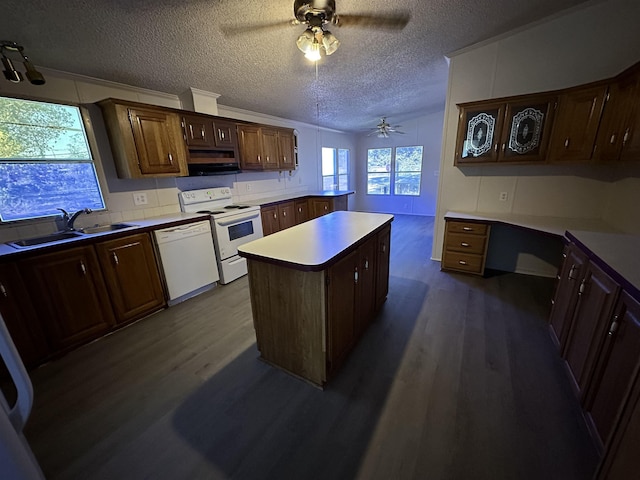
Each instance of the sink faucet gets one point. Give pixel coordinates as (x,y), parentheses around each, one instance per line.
(70,219)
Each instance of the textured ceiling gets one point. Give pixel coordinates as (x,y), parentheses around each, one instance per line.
(171,45)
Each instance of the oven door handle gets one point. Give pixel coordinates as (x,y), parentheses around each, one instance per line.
(223,222)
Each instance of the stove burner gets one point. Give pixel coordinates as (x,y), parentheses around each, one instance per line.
(239,207)
(210,212)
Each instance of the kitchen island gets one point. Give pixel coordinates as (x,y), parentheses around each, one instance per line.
(316,287)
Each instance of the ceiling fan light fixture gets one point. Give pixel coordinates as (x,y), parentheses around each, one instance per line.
(313,53)
(330,42)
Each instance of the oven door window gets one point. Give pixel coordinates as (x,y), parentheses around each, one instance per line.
(240,230)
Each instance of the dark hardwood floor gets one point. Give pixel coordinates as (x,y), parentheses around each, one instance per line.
(456,379)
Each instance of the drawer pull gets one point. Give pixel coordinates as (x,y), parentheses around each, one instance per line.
(462,262)
(614,326)
(464,244)
(3,291)
(467,229)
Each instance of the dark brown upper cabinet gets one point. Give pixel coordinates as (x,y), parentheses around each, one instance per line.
(506,130)
(576,124)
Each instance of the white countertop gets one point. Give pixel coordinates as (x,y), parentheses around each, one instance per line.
(554,225)
(313,244)
(290,196)
(142,224)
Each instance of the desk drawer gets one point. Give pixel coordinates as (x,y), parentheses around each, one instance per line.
(467,227)
(463,262)
(465,243)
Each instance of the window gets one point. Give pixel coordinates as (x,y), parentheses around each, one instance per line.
(335,168)
(401,168)
(45,161)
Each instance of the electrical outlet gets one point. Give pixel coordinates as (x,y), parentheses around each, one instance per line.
(249,186)
(503,196)
(140,198)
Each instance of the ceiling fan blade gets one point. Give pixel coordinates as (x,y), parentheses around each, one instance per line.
(230,30)
(391,21)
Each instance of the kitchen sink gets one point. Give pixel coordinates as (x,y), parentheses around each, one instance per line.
(54,237)
(105,228)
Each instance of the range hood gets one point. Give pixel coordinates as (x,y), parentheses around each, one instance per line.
(212,163)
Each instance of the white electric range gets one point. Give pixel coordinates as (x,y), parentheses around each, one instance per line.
(231,226)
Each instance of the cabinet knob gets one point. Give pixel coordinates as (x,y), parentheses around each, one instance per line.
(267,158)
(355,275)
(275,215)
(202,132)
(220,134)
(300,209)
(467,229)
(3,291)
(462,262)
(284,158)
(83,268)
(115,259)
(626,136)
(259,160)
(566,143)
(366,264)
(170,157)
(464,244)
(284,214)
(612,140)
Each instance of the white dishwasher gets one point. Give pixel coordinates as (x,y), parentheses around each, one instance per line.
(188,259)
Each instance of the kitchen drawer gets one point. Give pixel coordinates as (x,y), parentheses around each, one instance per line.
(465,243)
(463,262)
(467,227)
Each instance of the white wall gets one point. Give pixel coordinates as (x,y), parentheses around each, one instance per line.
(592,43)
(162,193)
(425,131)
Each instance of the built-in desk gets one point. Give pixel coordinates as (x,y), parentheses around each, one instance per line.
(520,243)
(315,287)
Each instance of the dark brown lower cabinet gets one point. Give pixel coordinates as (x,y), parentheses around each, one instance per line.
(617,363)
(132,278)
(383,247)
(70,295)
(20,317)
(597,295)
(564,302)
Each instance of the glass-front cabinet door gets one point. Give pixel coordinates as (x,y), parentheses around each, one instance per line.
(479,129)
(527,125)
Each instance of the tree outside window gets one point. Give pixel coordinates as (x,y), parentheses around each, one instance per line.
(400,167)
(335,168)
(45,161)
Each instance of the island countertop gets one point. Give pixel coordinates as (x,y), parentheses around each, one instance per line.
(312,245)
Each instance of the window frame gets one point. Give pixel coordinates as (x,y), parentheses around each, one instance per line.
(98,176)
(392,172)
(336,175)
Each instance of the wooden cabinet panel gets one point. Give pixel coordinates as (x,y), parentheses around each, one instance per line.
(615,125)
(465,243)
(454,226)
(286,149)
(225,135)
(366,284)
(73,300)
(383,246)
(286,215)
(302,211)
(146,141)
(320,206)
(341,294)
(617,364)
(597,294)
(250,146)
(270,222)
(266,148)
(20,318)
(198,131)
(566,297)
(131,275)
(576,124)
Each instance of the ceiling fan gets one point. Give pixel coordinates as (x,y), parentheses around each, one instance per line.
(384,129)
(317,15)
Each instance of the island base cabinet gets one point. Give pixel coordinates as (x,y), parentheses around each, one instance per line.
(289,318)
